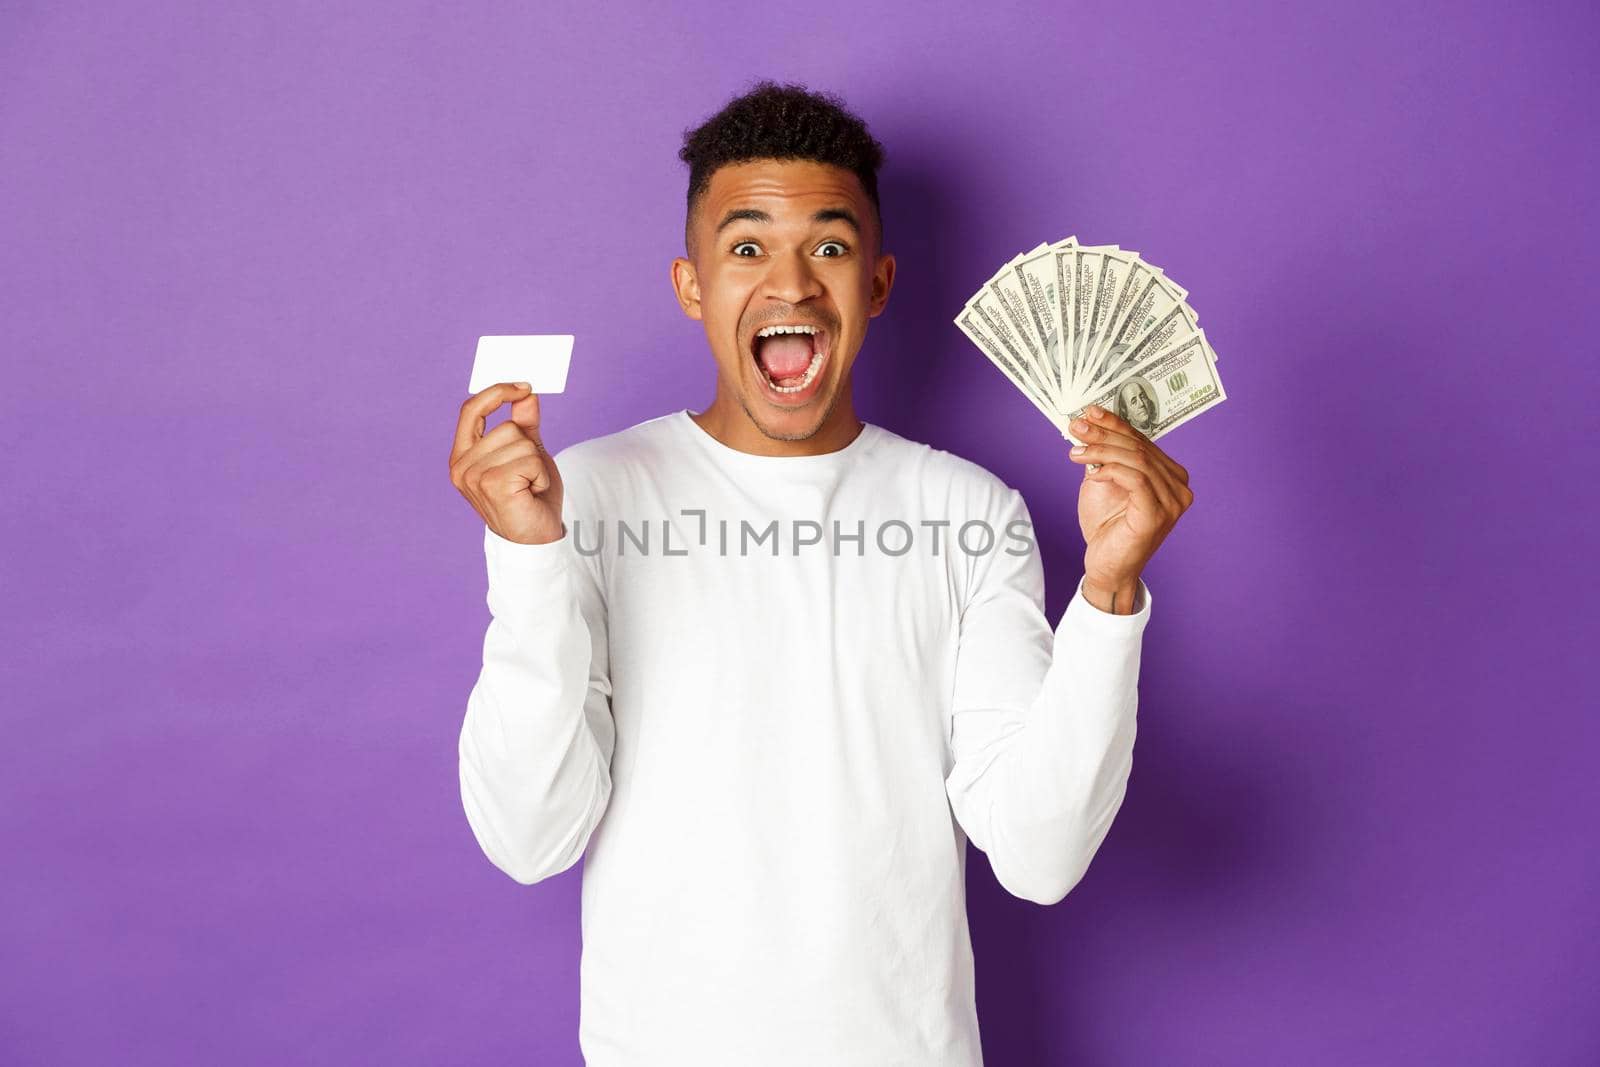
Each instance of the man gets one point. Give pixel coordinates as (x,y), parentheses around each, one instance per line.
(761,667)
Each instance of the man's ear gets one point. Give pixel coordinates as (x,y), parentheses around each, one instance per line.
(686,284)
(882,282)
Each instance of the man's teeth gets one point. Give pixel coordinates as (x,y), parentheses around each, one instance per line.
(811,368)
(805,379)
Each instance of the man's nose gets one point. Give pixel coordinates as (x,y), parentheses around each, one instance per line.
(791,279)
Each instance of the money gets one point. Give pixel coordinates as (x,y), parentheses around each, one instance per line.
(1070,325)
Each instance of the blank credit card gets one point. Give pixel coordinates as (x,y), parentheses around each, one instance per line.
(540,359)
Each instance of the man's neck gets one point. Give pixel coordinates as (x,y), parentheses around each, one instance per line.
(727,421)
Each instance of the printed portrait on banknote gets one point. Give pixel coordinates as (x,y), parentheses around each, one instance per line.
(1136,402)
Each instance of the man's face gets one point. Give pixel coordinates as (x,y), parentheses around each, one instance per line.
(784,243)
(1134,402)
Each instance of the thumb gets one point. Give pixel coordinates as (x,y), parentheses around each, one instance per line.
(525,413)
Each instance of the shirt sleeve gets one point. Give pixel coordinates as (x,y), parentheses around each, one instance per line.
(536,742)
(1042,724)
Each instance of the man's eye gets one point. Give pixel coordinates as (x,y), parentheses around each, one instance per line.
(833,244)
(746,244)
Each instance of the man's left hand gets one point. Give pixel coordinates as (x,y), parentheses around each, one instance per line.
(1126,506)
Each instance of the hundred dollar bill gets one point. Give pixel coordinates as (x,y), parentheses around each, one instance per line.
(1173,328)
(1012,299)
(973,326)
(1065,265)
(1088,260)
(1164,391)
(980,325)
(1175,292)
(1133,281)
(1120,282)
(1108,287)
(986,305)
(1156,304)
(1068,268)
(1036,275)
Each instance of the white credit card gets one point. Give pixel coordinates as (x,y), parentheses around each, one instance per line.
(541,360)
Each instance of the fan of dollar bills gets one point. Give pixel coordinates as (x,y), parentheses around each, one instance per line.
(1073,325)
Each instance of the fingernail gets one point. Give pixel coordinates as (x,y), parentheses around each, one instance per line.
(1079,425)
(1078,450)
(522,385)
(1094,411)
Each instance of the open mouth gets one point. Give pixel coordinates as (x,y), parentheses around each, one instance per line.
(790,356)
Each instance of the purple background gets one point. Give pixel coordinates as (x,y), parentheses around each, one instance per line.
(244,259)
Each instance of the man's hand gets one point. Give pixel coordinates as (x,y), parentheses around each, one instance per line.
(506,474)
(1126,506)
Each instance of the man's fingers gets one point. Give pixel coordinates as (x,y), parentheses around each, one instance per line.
(481,464)
(1107,425)
(1105,428)
(525,469)
(1140,486)
(475,409)
(1133,459)
(505,434)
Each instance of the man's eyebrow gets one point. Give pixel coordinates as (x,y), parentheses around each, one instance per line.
(747,214)
(827,214)
(838,214)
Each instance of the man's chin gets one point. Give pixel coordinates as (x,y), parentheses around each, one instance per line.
(789,424)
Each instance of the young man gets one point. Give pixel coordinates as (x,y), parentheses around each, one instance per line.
(763,666)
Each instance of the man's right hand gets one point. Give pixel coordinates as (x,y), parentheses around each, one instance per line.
(506,474)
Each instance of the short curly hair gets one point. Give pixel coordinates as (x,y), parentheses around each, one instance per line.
(773,121)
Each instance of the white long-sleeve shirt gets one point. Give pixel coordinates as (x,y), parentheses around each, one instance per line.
(774,737)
